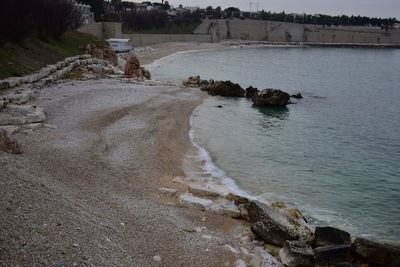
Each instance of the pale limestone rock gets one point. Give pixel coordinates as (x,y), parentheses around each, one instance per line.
(231,249)
(203,191)
(239,263)
(157,258)
(187,200)
(168,191)
(228,208)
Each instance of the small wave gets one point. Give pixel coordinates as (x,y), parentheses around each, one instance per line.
(209,168)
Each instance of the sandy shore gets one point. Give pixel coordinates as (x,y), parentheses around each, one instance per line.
(87,192)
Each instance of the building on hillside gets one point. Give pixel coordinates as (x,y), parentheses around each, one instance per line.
(192,9)
(86,15)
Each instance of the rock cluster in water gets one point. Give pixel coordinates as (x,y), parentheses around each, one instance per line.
(295,242)
(284,228)
(264,98)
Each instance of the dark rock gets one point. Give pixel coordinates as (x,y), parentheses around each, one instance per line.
(332,254)
(345,264)
(331,236)
(271,98)
(380,254)
(270,225)
(219,106)
(196,82)
(297,253)
(224,88)
(8,143)
(251,91)
(297,96)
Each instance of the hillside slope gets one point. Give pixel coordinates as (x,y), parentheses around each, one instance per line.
(18,59)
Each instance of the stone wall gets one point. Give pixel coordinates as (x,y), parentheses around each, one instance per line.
(114,30)
(95,29)
(275,31)
(151,39)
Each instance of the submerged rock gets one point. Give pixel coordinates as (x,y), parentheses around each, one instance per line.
(271,98)
(331,236)
(270,225)
(297,253)
(224,88)
(377,253)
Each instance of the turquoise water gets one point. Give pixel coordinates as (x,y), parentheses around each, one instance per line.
(335,154)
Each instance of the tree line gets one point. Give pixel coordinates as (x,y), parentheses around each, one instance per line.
(320,19)
(44,18)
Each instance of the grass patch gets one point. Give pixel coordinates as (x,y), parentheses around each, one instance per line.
(19,59)
(169,29)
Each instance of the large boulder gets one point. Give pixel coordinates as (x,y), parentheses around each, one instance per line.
(297,253)
(270,225)
(271,98)
(224,88)
(8,143)
(330,255)
(375,253)
(328,235)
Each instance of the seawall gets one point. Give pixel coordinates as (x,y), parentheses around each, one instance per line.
(114,30)
(275,31)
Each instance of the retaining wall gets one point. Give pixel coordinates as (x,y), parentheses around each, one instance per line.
(95,29)
(275,31)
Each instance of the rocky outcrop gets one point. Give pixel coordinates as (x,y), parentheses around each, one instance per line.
(224,88)
(378,254)
(270,225)
(297,96)
(251,92)
(297,253)
(196,82)
(271,98)
(325,236)
(8,143)
(134,70)
(101,50)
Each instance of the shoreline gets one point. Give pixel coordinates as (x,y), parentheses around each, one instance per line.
(95,188)
(227,184)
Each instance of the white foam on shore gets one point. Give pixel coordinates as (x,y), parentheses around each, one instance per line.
(216,176)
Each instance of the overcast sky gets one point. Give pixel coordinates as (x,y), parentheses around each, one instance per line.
(373,8)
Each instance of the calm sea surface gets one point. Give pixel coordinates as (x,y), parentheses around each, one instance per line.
(335,154)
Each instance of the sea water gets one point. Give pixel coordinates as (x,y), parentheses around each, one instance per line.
(335,154)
